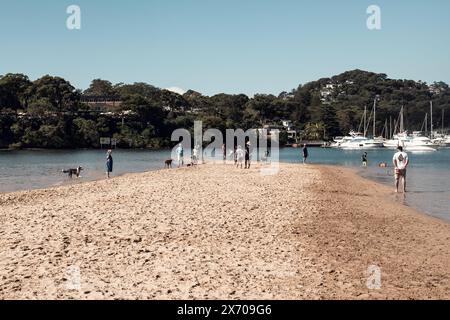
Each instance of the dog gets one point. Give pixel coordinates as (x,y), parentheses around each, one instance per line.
(192,164)
(72,172)
(168,164)
(383,165)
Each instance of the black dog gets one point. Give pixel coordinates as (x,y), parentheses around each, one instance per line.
(72,172)
(168,164)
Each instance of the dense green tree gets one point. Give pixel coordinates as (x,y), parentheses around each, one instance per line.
(138,88)
(61,95)
(86,133)
(14,91)
(100,87)
(330,122)
(259,110)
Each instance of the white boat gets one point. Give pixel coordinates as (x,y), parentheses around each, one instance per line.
(357,141)
(442,140)
(419,142)
(415,142)
(337,141)
(446,142)
(397,140)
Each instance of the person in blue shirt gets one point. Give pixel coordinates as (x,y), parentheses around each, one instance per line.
(109,163)
(305,153)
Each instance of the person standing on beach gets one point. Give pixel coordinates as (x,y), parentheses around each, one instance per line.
(305,153)
(401,163)
(109,163)
(195,156)
(224,153)
(180,154)
(247,155)
(231,155)
(239,156)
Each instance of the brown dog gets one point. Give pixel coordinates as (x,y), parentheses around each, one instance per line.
(168,164)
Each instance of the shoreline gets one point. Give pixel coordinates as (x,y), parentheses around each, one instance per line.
(354,170)
(216,232)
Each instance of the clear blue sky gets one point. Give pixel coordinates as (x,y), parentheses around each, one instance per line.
(232,46)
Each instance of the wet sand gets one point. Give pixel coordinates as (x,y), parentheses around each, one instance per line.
(216,232)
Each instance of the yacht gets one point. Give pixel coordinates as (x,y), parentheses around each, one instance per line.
(419,142)
(446,142)
(337,141)
(416,141)
(397,140)
(357,141)
(443,141)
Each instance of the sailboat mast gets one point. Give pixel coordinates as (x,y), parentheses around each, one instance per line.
(402,124)
(386,128)
(442,121)
(431,119)
(365,120)
(374,116)
(390,127)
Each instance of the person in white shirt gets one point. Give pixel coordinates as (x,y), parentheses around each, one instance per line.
(239,156)
(180,154)
(195,156)
(401,163)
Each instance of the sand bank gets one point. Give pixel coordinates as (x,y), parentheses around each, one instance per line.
(217,232)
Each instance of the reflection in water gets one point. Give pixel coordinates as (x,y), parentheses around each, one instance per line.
(400,198)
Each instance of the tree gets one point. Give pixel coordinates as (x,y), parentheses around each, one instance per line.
(147,112)
(100,87)
(50,136)
(61,95)
(138,88)
(86,134)
(228,107)
(259,109)
(14,91)
(329,120)
(314,131)
(3,98)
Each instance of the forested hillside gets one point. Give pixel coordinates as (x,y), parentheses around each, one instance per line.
(51,113)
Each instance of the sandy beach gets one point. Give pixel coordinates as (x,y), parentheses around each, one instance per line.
(216,232)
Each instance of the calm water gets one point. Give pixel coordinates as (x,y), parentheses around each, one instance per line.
(428,177)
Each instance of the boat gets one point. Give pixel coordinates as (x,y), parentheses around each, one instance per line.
(441,139)
(357,140)
(415,142)
(337,141)
(419,142)
(446,142)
